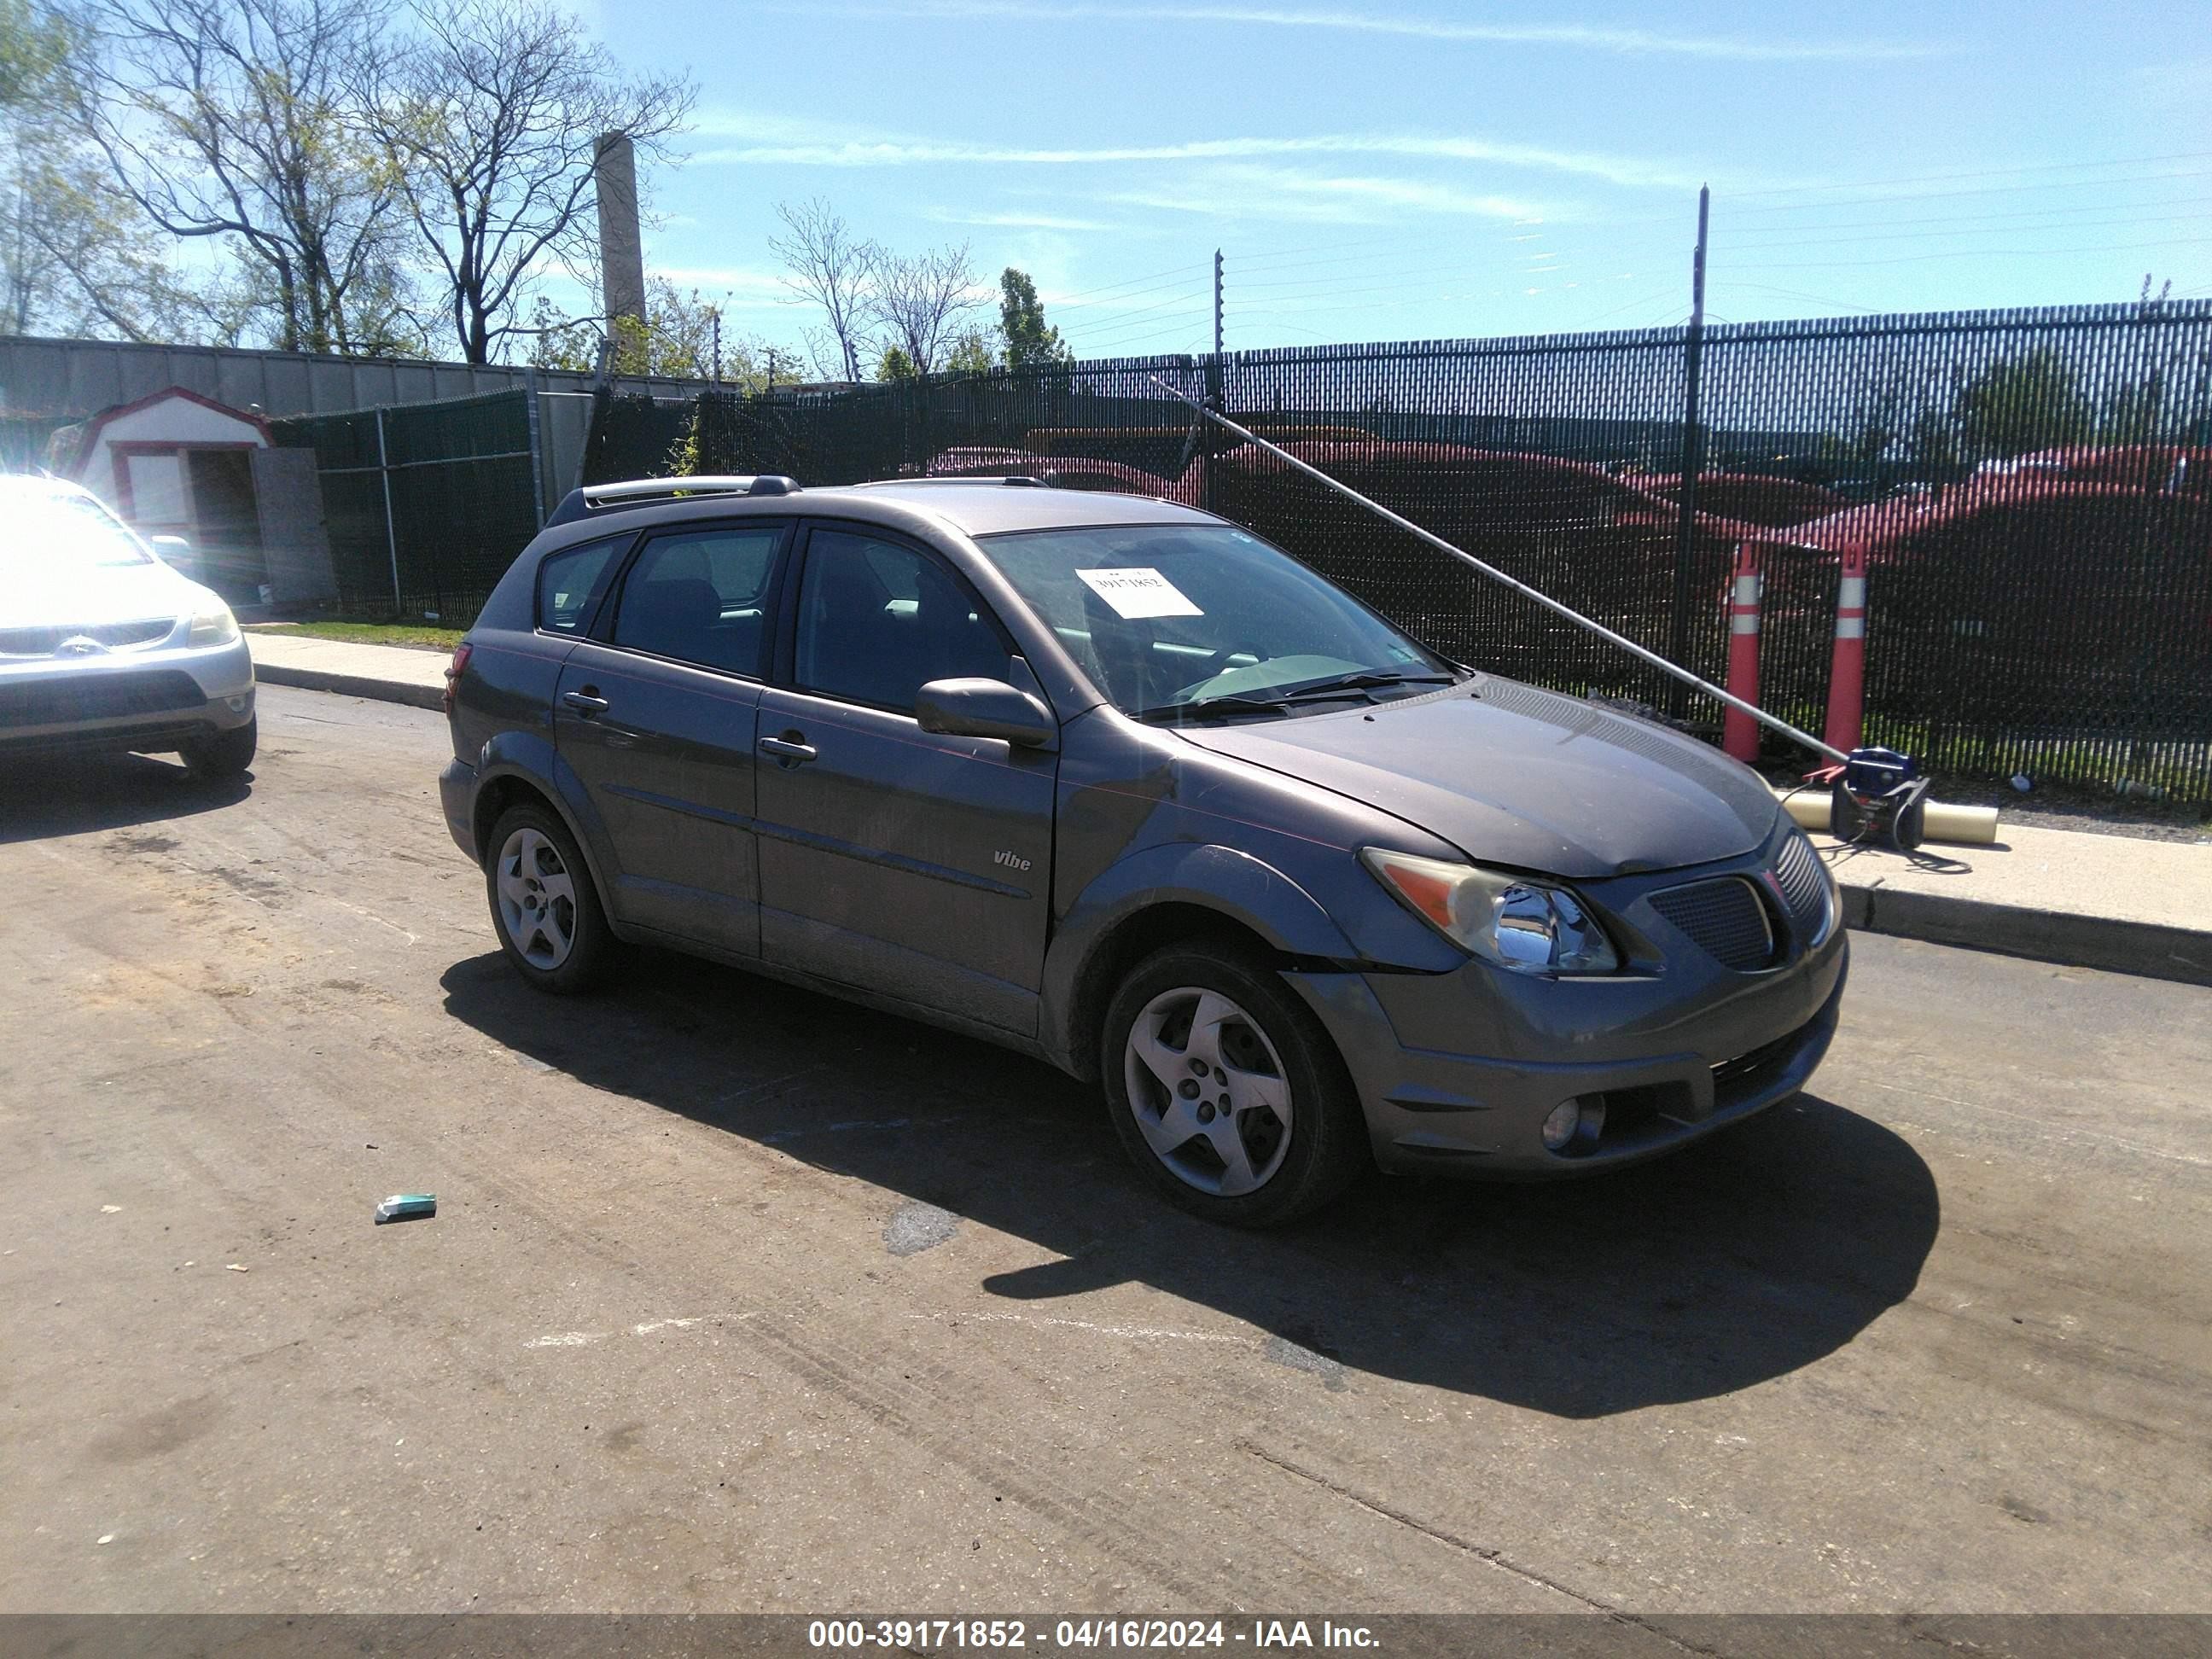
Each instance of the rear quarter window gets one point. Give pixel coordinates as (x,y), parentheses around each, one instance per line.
(570,584)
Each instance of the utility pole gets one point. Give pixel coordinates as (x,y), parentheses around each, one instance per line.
(1692,459)
(715,319)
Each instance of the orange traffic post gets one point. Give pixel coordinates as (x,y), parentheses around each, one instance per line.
(1738,732)
(1847,673)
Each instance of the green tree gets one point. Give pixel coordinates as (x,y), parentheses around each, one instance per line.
(74,257)
(488,119)
(231,121)
(972,353)
(1030,342)
(896,365)
(2022,404)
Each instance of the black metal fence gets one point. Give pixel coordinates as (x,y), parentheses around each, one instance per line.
(2033,491)
(425,504)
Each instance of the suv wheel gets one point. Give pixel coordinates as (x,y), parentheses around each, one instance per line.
(224,754)
(543,902)
(1225,1089)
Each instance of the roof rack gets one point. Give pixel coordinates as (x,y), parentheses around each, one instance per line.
(593,500)
(1010,480)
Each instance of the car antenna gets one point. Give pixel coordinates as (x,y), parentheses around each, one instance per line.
(1875,790)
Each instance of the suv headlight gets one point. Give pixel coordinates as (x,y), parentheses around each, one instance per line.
(1513,921)
(214,627)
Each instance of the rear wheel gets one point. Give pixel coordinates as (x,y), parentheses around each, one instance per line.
(224,754)
(543,902)
(1225,1089)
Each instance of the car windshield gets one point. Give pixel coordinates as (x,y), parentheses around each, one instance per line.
(1193,622)
(46,532)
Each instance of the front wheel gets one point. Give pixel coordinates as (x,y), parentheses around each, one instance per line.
(543,902)
(224,754)
(1225,1089)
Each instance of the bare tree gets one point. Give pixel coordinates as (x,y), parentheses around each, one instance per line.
(825,263)
(919,299)
(226,119)
(491,118)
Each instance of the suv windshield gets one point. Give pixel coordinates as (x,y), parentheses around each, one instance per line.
(44,532)
(1197,621)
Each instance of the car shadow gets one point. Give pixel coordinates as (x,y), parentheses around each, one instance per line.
(1734,1262)
(45,796)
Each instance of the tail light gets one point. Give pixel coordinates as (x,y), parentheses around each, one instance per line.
(454,670)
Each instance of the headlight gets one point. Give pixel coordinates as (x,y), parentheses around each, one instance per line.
(216,626)
(1514,922)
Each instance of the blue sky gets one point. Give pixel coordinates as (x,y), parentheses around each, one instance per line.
(1392,169)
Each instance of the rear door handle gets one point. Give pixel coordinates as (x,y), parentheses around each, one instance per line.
(786,751)
(584,702)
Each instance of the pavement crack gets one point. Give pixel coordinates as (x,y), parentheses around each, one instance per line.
(1480,1551)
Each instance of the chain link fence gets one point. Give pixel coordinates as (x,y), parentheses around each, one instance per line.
(2033,491)
(425,504)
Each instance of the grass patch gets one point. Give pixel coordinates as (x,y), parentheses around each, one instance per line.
(419,635)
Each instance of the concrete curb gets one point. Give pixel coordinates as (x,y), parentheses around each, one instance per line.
(2140,948)
(2146,950)
(349,685)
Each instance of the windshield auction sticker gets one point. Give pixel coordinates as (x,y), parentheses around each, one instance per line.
(1140,592)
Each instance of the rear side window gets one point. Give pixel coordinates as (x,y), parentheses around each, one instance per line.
(701,597)
(570,585)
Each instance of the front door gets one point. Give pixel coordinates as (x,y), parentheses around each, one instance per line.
(894,860)
(657,715)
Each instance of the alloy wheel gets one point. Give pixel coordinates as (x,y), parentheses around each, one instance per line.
(536,899)
(1208,1091)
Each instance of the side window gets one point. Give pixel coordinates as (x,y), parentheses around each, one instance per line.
(877,620)
(701,597)
(569,584)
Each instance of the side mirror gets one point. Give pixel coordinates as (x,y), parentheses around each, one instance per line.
(985,709)
(177,553)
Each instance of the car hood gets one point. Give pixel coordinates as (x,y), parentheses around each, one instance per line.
(55,596)
(1515,775)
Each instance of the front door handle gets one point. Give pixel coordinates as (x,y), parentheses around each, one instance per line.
(584,702)
(789,752)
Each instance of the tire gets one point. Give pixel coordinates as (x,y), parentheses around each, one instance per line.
(1293,1116)
(224,754)
(543,906)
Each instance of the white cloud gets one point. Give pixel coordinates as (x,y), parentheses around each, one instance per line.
(1588,37)
(1286,193)
(854,149)
(1016,221)
(735,288)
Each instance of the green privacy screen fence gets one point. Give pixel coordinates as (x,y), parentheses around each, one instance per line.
(425,504)
(2032,491)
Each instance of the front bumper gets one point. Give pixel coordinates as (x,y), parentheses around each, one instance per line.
(147,702)
(1457,1072)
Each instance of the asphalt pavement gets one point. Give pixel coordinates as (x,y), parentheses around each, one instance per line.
(740,1299)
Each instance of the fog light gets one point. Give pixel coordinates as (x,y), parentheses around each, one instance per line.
(1574,1125)
(1559,1127)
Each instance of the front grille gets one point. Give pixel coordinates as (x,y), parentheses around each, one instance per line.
(1724,917)
(45,642)
(1804,884)
(53,699)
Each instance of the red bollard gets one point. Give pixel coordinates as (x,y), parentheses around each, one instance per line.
(1847,673)
(1738,732)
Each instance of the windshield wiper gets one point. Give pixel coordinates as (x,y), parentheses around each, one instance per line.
(1211,709)
(1365,679)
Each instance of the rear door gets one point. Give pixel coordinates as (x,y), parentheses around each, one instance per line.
(898,861)
(656,715)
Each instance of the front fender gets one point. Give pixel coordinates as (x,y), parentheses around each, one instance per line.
(1235,886)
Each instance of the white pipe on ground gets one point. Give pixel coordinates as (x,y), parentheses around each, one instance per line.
(1967,826)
